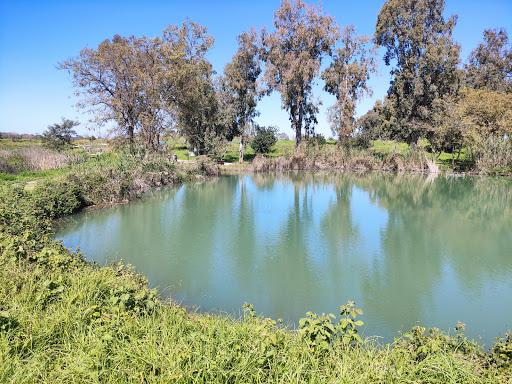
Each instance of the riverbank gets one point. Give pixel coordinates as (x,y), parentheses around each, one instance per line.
(63,319)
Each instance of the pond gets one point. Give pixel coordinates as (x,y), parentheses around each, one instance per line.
(408,249)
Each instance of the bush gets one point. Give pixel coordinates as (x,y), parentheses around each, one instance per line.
(317,139)
(265,138)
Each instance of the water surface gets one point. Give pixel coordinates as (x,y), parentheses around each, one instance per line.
(408,249)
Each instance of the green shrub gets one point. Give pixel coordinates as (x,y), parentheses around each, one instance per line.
(58,198)
(265,138)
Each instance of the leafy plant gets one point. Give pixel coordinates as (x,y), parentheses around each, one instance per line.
(265,138)
(501,352)
(320,332)
(422,342)
(347,325)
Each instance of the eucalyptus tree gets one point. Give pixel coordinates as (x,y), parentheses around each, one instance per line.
(490,63)
(416,35)
(346,78)
(189,84)
(240,85)
(293,55)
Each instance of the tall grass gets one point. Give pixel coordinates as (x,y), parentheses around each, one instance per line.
(309,157)
(66,321)
(35,159)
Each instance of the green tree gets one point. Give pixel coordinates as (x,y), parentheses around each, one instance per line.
(346,78)
(190,89)
(293,56)
(488,112)
(370,124)
(198,110)
(380,122)
(108,81)
(415,35)
(58,136)
(487,118)
(446,129)
(240,85)
(490,63)
(139,83)
(265,138)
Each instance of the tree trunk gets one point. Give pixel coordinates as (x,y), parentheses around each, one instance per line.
(298,128)
(297,133)
(241,150)
(131,139)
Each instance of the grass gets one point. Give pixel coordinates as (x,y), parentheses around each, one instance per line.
(71,322)
(66,326)
(283,148)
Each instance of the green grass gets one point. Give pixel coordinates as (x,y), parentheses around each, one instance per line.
(65,321)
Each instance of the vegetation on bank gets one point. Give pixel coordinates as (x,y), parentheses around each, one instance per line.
(63,319)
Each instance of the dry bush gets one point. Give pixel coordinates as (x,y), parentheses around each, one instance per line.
(281,164)
(5,167)
(39,159)
(362,163)
(432,166)
(417,159)
(394,162)
(260,164)
(34,159)
(300,161)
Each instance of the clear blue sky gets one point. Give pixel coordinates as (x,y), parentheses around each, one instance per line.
(36,35)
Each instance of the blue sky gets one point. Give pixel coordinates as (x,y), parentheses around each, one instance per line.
(36,35)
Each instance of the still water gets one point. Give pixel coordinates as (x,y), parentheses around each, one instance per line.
(408,249)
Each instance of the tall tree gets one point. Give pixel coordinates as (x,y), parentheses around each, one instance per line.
(346,78)
(416,35)
(190,88)
(490,64)
(240,85)
(139,83)
(293,56)
(108,82)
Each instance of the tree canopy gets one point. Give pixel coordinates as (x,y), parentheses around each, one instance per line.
(293,55)
(346,78)
(490,63)
(138,82)
(58,136)
(418,39)
(240,85)
(146,87)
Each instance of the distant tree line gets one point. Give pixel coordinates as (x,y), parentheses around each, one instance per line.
(18,136)
(149,87)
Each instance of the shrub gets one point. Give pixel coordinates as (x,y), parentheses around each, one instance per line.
(318,139)
(265,138)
